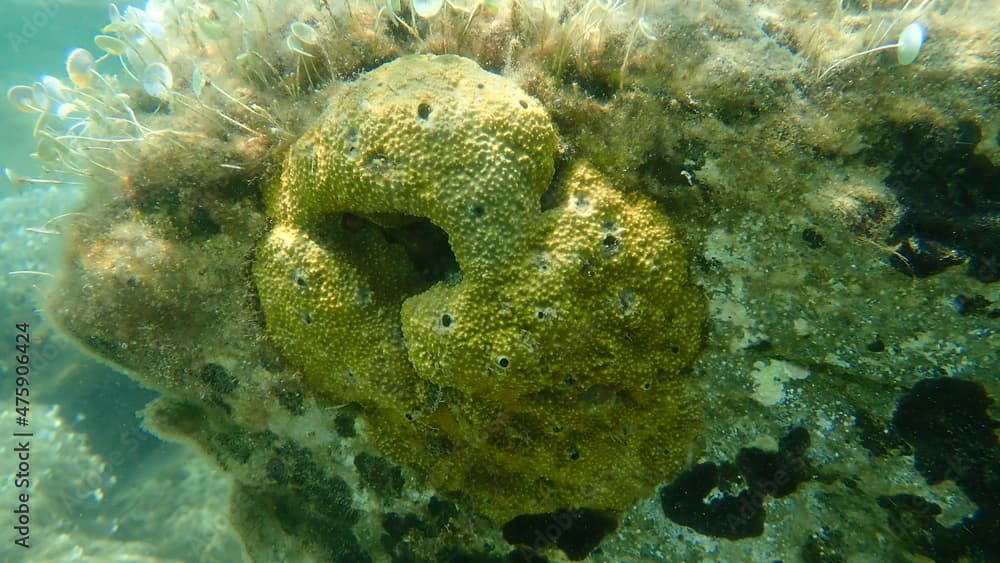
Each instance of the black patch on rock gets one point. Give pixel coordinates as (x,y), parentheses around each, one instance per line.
(812,238)
(731,517)
(776,474)
(576,532)
(876,346)
(947,423)
(951,195)
(737,516)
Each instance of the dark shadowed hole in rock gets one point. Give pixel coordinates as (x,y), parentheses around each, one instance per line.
(552,197)
(425,244)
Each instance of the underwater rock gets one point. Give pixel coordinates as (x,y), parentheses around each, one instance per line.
(366,287)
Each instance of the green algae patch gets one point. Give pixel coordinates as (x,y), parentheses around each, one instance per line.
(546,370)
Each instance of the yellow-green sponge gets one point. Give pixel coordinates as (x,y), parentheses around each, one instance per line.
(547,375)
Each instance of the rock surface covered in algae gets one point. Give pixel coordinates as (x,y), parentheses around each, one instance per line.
(394,273)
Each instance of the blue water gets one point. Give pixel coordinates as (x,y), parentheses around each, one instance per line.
(96,474)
